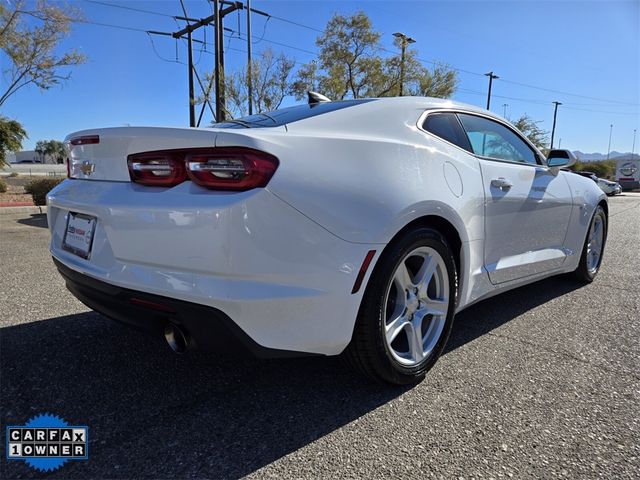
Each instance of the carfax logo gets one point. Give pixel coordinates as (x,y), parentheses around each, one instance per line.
(46,442)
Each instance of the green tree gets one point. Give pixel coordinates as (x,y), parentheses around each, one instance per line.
(30,38)
(602,168)
(11,136)
(351,65)
(534,133)
(41,149)
(56,151)
(270,84)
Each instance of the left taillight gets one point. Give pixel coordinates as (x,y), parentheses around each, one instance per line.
(164,169)
(230,168)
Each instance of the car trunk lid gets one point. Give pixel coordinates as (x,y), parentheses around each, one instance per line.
(101,154)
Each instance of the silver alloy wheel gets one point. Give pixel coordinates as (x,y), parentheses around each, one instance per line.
(594,245)
(417,304)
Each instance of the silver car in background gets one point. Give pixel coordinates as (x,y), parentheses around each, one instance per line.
(609,187)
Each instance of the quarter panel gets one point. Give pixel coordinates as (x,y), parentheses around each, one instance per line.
(586,196)
(366,189)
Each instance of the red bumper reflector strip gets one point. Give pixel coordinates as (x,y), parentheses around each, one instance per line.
(363,271)
(151,305)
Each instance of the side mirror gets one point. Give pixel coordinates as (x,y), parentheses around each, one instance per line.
(560,158)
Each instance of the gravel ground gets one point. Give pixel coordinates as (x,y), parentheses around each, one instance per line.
(540,382)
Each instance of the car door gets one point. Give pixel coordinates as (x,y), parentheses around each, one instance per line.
(527,205)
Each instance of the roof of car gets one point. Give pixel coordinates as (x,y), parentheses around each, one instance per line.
(434,103)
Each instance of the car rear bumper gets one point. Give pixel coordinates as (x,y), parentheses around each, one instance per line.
(284,280)
(209,328)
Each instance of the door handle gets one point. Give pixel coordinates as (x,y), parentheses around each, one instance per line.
(501,183)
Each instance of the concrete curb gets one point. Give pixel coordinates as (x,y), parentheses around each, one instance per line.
(27,210)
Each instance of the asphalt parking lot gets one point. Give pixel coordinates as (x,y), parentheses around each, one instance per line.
(543,382)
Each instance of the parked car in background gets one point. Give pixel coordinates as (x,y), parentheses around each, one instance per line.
(356,227)
(609,187)
(590,175)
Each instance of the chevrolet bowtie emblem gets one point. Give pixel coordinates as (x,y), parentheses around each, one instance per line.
(87,167)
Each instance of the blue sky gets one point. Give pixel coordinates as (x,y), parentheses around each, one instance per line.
(589,49)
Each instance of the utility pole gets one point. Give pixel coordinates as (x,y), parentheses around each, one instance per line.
(553,129)
(192,100)
(504,109)
(633,147)
(217,47)
(404,41)
(491,78)
(249,79)
(216,20)
(609,148)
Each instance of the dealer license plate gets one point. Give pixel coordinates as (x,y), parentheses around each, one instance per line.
(78,237)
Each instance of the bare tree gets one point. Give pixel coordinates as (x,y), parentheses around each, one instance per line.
(270,77)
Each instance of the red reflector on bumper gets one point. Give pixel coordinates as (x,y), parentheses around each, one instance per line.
(151,305)
(363,271)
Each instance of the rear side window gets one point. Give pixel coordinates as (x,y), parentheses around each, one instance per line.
(494,140)
(447,127)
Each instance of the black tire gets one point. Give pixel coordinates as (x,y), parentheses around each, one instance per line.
(582,273)
(368,351)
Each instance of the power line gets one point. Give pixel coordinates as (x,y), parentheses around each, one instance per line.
(565,93)
(380,48)
(89,22)
(541,102)
(601,111)
(296,23)
(133,9)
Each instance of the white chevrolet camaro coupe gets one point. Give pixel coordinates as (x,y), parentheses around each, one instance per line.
(353,227)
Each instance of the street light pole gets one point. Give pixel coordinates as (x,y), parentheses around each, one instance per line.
(633,147)
(609,148)
(553,129)
(504,109)
(491,78)
(404,41)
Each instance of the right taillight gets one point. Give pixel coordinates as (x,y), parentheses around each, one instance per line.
(231,168)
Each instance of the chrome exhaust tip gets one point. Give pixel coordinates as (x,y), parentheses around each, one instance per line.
(177,338)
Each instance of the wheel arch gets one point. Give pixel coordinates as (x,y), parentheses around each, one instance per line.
(451,234)
(605,206)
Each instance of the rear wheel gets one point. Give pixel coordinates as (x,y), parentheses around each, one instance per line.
(407,310)
(593,248)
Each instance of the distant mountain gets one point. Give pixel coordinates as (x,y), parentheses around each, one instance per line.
(594,157)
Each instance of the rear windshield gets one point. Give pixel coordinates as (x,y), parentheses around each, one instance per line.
(283,116)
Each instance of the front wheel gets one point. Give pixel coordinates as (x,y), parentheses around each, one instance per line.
(407,310)
(593,248)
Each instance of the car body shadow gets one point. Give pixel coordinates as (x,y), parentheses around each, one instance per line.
(485,316)
(152,413)
(35,220)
